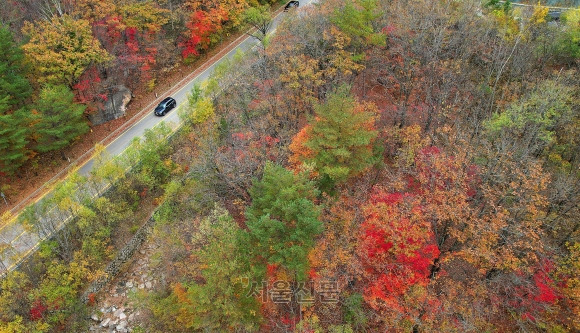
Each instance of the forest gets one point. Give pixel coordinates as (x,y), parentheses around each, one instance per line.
(373,166)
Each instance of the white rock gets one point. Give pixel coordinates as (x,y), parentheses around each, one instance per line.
(118,312)
(131,317)
(129,284)
(122,316)
(113,323)
(105,322)
(95,317)
(148,285)
(141,286)
(121,325)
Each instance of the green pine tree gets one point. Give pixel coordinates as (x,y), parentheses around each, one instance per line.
(282,220)
(222,302)
(356,20)
(341,137)
(60,120)
(14,91)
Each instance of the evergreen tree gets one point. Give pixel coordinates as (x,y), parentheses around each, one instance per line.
(338,142)
(222,302)
(218,301)
(60,120)
(283,219)
(14,91)
(356,20)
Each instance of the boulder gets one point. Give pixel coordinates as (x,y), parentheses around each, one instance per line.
(122,325)
(105,322)
(118,312)
(114,107)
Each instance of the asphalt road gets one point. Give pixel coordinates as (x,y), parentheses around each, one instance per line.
(19,243)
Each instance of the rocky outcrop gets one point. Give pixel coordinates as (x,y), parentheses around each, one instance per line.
(113,319)
(119,311)
(122,257)
(114,107)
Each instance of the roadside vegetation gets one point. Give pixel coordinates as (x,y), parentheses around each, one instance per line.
(86,221)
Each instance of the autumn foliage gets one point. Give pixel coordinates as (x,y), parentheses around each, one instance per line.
(398,251)
(365,155)
(445,195)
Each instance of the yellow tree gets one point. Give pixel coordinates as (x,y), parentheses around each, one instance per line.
(570,268)
(144,16)
(61,50)
(93,10)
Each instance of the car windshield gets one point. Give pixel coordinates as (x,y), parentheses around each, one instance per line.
(164,104)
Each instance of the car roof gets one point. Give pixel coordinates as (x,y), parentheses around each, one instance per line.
(167,99)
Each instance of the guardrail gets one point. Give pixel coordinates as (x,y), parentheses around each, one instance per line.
(83,158)
(553,11)
(48,186)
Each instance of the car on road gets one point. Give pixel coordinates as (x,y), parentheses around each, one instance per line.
(165,106)
(291,4)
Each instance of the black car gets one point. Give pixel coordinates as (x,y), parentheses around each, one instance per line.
(291,4)
(164,106)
